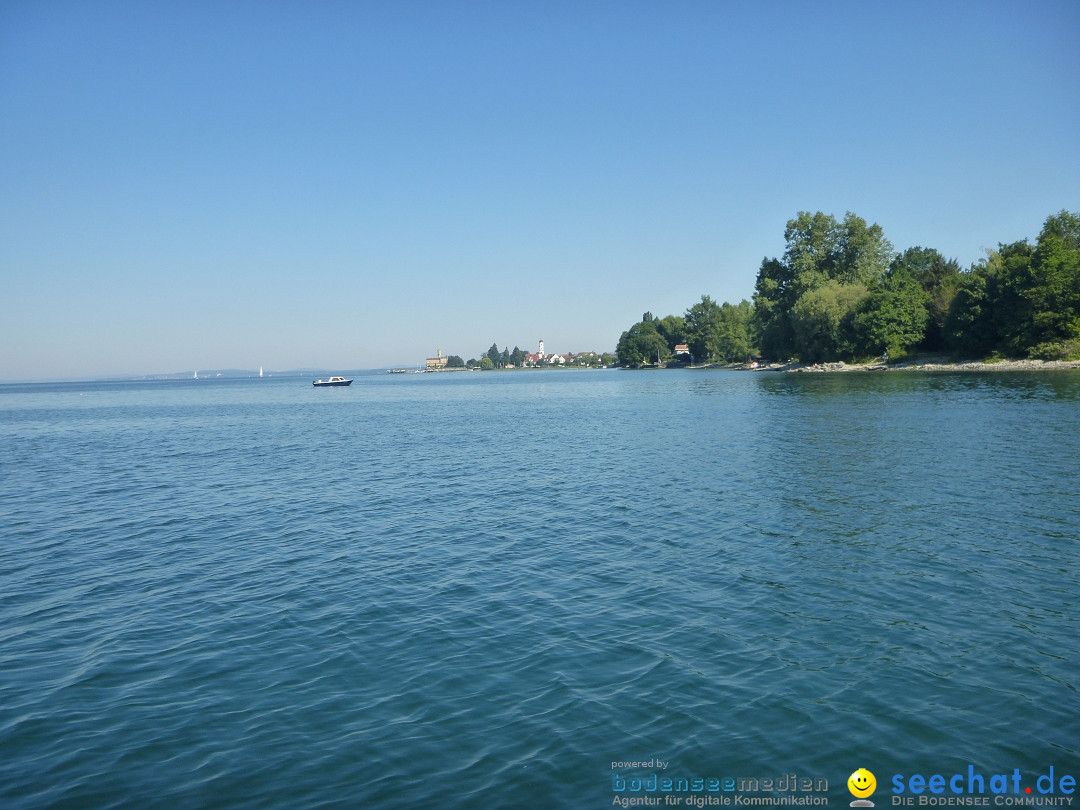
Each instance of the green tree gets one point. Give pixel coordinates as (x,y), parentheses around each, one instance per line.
(1010,305)
(1022,299)
(642,343)
(734,341)
(673,329)
(586,360)
(702,327)
(812,252)
(1054,291)
(453,361)
(940,279)
(773,301)
(823,320)
(863,252)
(494,355)
(893,316)
(969,326)
(719,332)
(517,357)
(926,265)
(818,250)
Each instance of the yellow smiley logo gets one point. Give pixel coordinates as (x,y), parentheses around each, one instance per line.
(861,783)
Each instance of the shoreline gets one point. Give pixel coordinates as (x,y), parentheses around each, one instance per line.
(920,365)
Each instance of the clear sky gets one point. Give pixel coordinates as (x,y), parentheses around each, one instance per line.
(354,185)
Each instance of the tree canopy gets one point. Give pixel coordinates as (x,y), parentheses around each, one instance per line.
(1022,299)
(818,250)
(642,343)
(719,332)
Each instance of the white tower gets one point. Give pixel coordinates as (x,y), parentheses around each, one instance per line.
(541,348)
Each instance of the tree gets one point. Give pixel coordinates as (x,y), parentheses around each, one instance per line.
(517,357)
(823,321)
(940,279)
(1054,291)
(702,326)
(586,360)
(818,250)
(926,265)
(969,326)
(893,316)
(863,252)
(1011,308)
(1022,299)
(672,329)
(453,361)
(813,246)
(773,302)
(734,340)
(494,355)
(721,332)
(642,343)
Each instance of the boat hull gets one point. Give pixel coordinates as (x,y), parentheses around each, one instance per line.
(323,384)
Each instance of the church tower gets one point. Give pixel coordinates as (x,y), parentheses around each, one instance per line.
(541,348)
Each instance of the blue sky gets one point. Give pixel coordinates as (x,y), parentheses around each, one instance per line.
(355,185)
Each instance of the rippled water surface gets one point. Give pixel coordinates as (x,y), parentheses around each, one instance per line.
(481,590)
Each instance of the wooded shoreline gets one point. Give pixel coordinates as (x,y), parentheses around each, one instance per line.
(840,292)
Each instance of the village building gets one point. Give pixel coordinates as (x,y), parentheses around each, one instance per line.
(538,357)
(436,363)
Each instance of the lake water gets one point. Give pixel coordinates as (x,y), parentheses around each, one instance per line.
(503,589)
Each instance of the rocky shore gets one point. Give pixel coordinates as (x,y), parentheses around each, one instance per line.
(923,365)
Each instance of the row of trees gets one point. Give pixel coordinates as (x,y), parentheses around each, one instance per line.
(1023,299)
(710,331)
(840,292)
(493,358)
(496,359)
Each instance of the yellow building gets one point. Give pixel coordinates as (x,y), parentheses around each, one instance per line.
(435,363)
